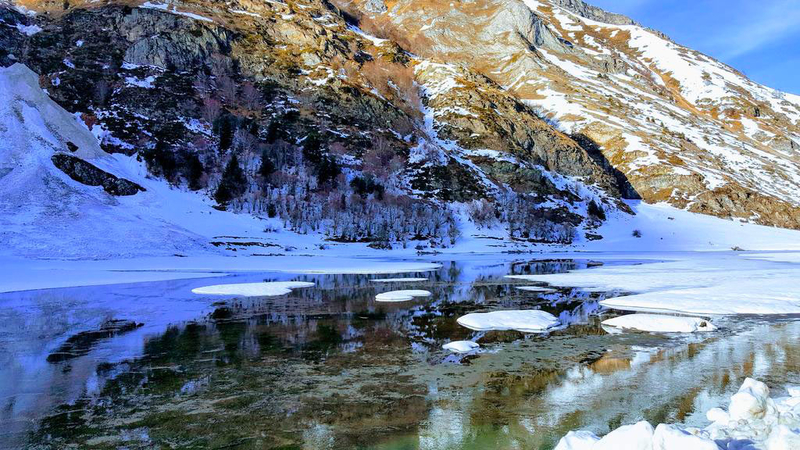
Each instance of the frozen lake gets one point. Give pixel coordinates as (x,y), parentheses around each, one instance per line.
(330,367)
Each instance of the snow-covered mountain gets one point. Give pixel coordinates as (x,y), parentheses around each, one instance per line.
(409,123)
(681,126)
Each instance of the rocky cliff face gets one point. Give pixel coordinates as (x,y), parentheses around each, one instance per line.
(550,104)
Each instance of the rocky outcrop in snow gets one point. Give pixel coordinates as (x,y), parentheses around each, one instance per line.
(83,172)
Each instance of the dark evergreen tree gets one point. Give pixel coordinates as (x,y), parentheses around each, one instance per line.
(194,171)
(233,183)
(267,167)
(225,128)
(312,148)
(596,211)
(327,170)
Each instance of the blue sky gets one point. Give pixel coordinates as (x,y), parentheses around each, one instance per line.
(760,38)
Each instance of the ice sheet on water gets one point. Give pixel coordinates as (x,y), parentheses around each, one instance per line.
(660,323)
(401,296)
(265,289)
(461,346)
(528,321)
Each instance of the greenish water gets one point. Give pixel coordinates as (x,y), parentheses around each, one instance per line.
(328,367)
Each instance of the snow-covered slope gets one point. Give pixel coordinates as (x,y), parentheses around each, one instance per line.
(45,213)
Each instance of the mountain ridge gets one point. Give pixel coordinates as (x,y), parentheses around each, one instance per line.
(529,117)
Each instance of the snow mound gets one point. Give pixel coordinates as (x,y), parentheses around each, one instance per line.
(401,296)
(266,289)
(753,421)
(398,280)
(530,321)
(658,323)
(461,346)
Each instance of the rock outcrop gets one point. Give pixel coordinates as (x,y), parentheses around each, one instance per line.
(86,173)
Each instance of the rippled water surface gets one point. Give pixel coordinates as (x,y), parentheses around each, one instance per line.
(328,367)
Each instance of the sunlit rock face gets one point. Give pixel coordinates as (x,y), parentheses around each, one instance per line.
(682,127)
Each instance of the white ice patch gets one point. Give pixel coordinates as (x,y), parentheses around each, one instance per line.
(146,83)
(530,321)
(461,346)
(266,289)
(658,323)
(401,296)
(166,7)
(28,30)
(398,280)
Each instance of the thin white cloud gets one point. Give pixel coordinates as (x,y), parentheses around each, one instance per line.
(760,25)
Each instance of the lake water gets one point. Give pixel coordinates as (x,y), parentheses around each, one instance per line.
(328,367)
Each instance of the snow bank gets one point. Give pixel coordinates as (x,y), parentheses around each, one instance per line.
(529,321)
(694,284)
(401,296)
(753,421)
(266,289)
(666,228)
(461,346)
(659,323)
(398,280)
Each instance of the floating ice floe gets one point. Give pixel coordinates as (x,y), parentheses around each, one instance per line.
(401,296)
(696,285)
(753,421)
(535,289)
(530,321)
(398,280)
(659,323)
(461,346)
(265,289)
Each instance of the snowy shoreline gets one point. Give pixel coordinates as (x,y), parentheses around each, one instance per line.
(753,420)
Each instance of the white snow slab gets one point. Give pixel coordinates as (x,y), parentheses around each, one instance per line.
(577,440)
(535,289)
(266,289)
(398,280)
(724,283)
(401,296)
(668,437)
(659,323)
(638,436)
(528,321)
(461,346)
